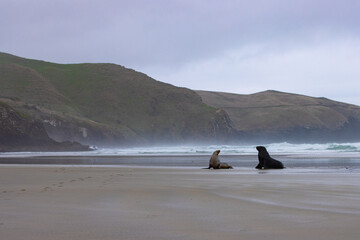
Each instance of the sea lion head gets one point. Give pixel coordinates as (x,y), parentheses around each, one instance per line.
(259,148)
(262,151)
(216,152)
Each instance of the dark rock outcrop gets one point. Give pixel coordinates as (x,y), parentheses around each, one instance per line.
(19,132)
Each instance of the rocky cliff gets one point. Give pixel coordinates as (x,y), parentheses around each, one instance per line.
(19,132)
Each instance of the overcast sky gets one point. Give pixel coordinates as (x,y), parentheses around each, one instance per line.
(299,46)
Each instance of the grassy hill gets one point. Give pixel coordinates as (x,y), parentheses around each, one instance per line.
(283,116)
(110,104)
(106,103)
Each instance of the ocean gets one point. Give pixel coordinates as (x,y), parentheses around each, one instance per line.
(340,157)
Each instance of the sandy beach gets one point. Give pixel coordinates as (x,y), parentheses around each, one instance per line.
(124,202)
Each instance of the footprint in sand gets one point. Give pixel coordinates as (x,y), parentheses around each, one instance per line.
(47,189)
(60,184)
(60,170)
(8,191)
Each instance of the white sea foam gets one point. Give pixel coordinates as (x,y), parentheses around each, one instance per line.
(274,148)
(333,149)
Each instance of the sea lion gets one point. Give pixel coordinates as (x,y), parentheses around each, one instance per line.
(225,166)
(265,161)
(215,163)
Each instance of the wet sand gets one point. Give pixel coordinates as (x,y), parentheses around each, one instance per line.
(93,202)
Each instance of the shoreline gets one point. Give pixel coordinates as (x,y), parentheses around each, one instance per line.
(137,202)
(235,170)
(292,163)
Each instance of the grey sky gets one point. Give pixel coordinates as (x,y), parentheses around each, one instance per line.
(306,47)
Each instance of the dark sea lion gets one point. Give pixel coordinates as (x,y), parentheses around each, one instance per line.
(265,161)
(215,163)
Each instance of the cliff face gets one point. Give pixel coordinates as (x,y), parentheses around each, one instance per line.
(277,116)
(17,129)
(107,104)
(18,132)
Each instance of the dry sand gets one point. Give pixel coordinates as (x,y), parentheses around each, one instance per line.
(57,202)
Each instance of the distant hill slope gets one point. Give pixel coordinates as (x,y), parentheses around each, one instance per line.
(279,116)
(107,103)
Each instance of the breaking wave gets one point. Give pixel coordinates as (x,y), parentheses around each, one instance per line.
(274,148)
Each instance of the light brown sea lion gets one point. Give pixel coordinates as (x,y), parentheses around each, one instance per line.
(225,166)
(215,163)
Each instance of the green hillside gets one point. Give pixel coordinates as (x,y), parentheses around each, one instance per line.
(103,104)
(285,116)
(106,103)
